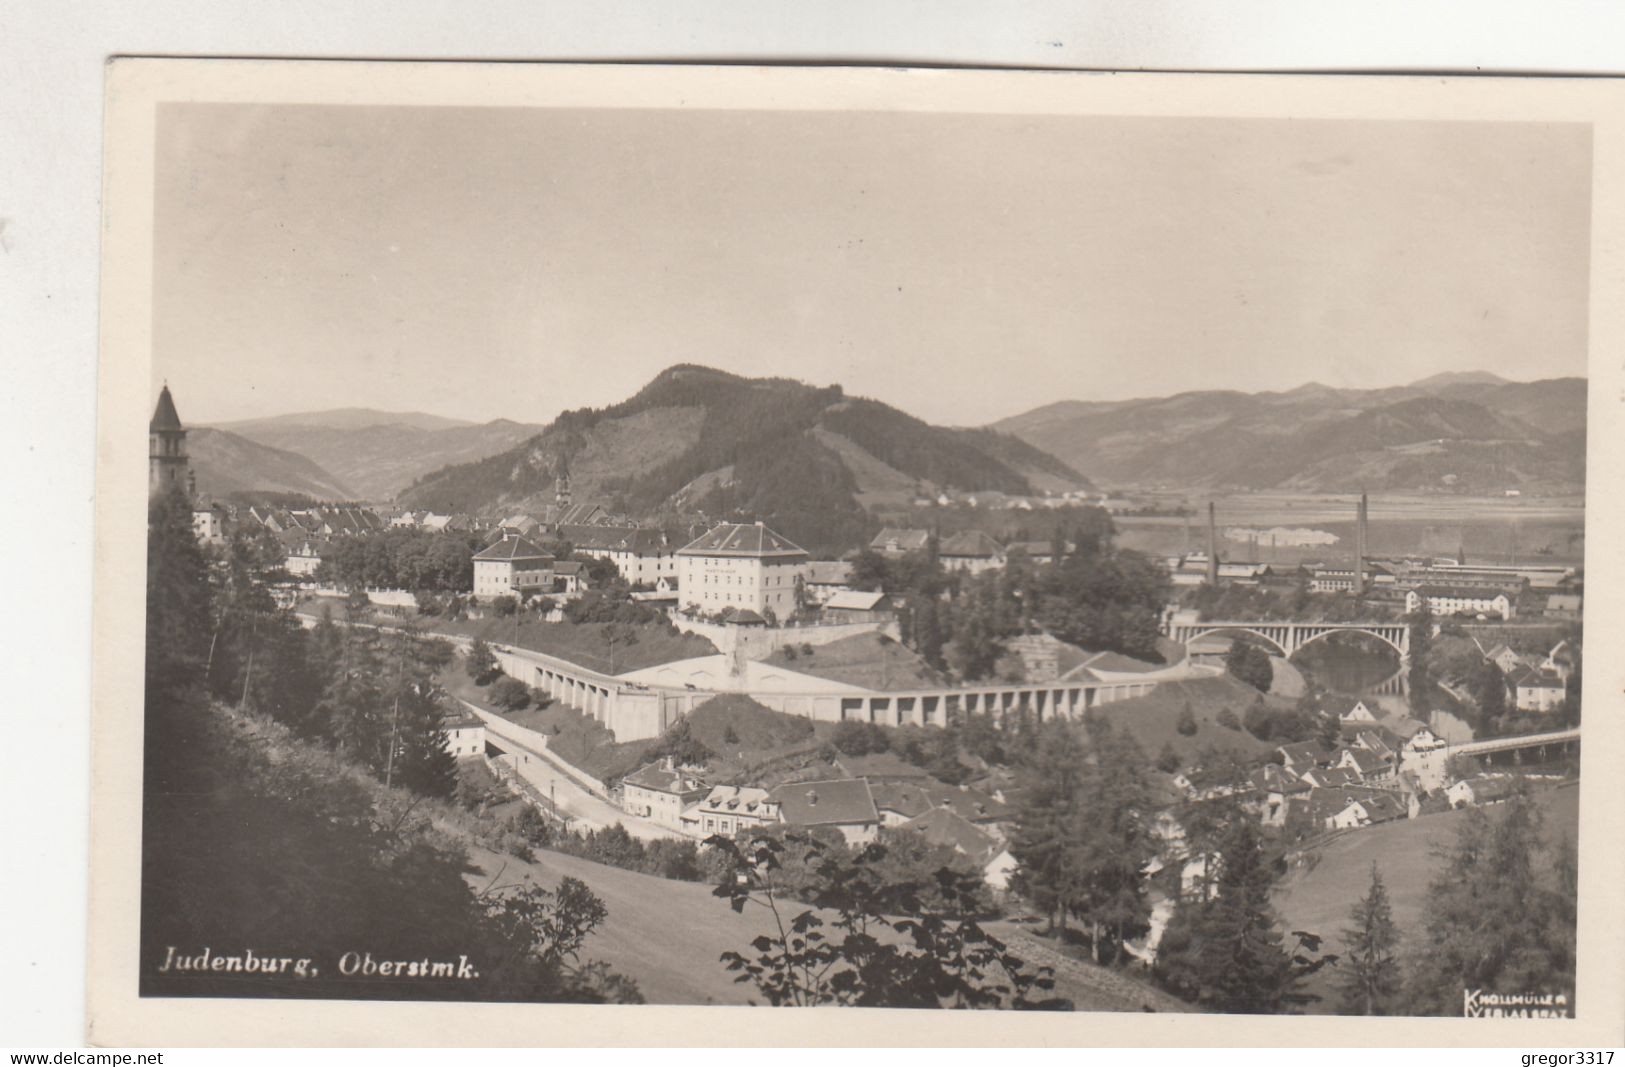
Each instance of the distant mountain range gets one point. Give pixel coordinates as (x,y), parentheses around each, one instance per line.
(225,462)
(378,453)
(1468,433)
(807,458)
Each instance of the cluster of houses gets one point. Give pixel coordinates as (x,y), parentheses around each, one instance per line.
(874,793)
(970,551)
(1535,683)
(1361,782)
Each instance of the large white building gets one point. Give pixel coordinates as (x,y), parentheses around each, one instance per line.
(642,556)
(744,566)
(1454,600)
(511,567)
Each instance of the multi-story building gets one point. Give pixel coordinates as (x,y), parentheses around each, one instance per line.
(1455,600)
(728,809)
(642,556)
(660,792)
(511,566)
(744,566)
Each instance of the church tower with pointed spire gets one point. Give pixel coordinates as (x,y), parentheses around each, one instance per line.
(167,466)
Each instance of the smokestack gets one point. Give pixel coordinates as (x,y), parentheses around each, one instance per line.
(1212,546)
(1360,547)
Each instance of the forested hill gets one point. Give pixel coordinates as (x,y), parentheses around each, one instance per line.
(1465,433)
(697,438)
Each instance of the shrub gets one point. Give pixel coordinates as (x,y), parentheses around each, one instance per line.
(511,693)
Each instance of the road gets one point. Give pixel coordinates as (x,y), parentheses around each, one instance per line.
(539,768)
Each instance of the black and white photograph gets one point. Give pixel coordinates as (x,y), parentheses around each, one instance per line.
(851,543)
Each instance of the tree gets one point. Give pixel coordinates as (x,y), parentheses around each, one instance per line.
(1168,759)
(884,945)
(482,663)
(1227,718)
(1498,913)
(424,763)
(510,693)
(1489,689)
(853,737)
(1368,974)
(504,605)
(1186,723)
(1224,952)
(1047,840)
(1421,644)
(1250,664)
(1328,731)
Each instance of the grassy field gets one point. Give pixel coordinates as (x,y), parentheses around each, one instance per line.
(1318,895)
(1154,719)
(582,645)
(862,659)
(668,936)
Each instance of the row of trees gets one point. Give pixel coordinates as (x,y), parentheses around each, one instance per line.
(252,836)
(403,558)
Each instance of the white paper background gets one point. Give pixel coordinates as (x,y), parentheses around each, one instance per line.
(51,56)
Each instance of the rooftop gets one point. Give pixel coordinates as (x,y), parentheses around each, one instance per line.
(511,547)
(742,539)
(164,416)
(840,801)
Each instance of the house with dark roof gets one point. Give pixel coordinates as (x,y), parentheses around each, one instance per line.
(511,566)
(1040,552)
(985,848)
(1483,789)
(843,804)
(740,565)
(641,556)
(661,792)
(1537,690)
(900,801)
(1367,766)
(894,541)
(1330,777)
(1352,809)
(822,579)
(972,551)
(1300,756)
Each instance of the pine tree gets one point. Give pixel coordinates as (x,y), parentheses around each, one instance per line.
(1369,975)
(424,761)
(1047,837)
(1487,919)
(1225,952)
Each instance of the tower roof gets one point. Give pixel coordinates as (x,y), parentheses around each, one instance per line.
(164,416)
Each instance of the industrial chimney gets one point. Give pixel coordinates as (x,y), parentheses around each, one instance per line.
(1360,547)
(1212,547)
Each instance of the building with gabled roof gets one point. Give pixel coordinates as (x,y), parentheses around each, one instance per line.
(728,809)
(1537,690)
(972,551)
(745,566)
(661,792)
(822,579)
(511,566)
(640,555)
(894,541)
(844,804)
(946,828)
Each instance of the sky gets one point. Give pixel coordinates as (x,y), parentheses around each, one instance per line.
(486,263)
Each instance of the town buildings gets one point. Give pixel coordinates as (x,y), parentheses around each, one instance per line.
(743,566)
(465,734)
